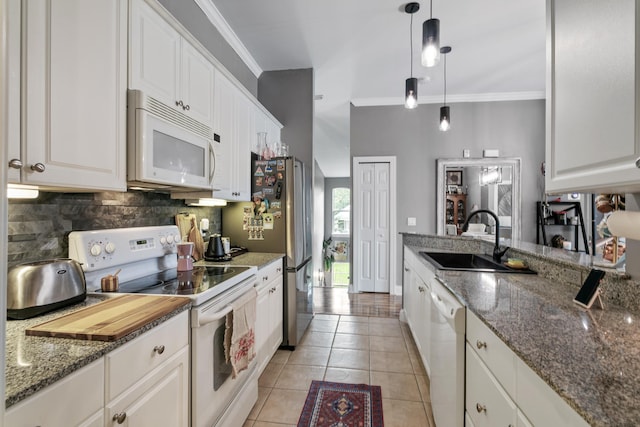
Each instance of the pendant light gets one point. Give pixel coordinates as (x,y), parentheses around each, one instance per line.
(445,113)
(411,84)
(431,39)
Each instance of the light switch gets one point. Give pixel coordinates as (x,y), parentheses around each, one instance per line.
(411,221)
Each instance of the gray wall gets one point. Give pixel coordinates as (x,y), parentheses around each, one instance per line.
(193,18)
(288,95)
(318,222)
(516,128)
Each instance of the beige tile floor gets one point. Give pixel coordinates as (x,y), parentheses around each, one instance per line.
(352,349)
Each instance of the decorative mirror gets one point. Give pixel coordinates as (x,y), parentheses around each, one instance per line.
(466,184)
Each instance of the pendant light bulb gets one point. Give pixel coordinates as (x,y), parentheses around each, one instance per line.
(445,112)
(430,39)
(411,93)
(431,42)
(445,119)
(411,84)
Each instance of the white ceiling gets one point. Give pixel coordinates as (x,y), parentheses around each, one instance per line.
(359,50)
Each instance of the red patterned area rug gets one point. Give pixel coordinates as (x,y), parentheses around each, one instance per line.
(342,405)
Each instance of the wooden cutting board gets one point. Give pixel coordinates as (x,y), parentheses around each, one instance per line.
(111,319)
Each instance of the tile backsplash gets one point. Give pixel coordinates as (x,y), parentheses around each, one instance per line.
(39,229)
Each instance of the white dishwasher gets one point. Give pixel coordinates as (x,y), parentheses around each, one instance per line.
(447,357)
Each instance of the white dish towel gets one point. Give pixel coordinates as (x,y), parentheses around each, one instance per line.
(239,333)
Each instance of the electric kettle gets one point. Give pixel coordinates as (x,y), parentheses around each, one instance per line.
(215,249)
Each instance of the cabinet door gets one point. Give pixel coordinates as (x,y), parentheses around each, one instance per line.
(155,54)
(197,88)
(75,56)
(159,399)
(50,406)
(13,89)
(223,127)
(591,141)
(242,163)
(262,326)
(277,305)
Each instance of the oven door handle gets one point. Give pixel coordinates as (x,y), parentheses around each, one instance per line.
(209,318)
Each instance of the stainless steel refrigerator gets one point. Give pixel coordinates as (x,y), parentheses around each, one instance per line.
(279,220)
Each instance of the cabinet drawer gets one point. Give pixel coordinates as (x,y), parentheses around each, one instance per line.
(499,358)
(267,273)
(541,404)
(50,407)
(486,402)
(129,363)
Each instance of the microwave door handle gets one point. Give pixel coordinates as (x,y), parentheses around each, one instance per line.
(212,166)
(208,318)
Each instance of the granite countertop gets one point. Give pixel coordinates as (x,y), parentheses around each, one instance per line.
(32,363)
(591,358)
(252,259)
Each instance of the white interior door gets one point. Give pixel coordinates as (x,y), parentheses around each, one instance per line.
(372,254)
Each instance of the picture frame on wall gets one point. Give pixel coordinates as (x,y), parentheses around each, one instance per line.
(454,177)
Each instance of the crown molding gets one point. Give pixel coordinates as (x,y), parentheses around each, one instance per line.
(221,24)
(437,99)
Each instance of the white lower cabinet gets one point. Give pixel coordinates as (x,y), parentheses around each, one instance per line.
(501,390)
(83,391)
(269,312)
(160,398)
(417,304)
(142,383)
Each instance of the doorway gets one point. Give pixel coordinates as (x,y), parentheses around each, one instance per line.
(374,224)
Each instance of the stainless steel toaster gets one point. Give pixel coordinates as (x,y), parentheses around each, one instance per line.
(38,287)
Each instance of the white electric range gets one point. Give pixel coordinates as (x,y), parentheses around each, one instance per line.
(146,261)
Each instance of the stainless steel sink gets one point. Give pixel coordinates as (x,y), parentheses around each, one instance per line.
(469,262)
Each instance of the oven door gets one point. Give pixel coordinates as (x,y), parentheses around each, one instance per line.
(214,392)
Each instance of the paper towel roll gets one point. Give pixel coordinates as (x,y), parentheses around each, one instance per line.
(624,224)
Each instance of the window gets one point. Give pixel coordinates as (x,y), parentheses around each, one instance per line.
(341,210)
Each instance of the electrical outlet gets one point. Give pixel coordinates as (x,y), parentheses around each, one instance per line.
(466,153)
(411,221)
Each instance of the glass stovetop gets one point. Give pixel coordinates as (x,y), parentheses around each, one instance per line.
(173,282)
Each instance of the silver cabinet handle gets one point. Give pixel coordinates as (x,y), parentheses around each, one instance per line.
(180,104)
(15,163)
(278,269)
(480,408)
(119,418)
(186,107)
(265,278)
(406,269)
(158,349)
(38,167)
(638,162)
(481,344)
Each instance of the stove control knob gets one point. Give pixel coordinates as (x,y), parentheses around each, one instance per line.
(170,239)
(95,250)
(163,240)
(177,238)
(110,248)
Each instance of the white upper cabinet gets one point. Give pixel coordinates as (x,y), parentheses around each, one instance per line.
(592,142)
(232,126)
(166,66)
(73,74)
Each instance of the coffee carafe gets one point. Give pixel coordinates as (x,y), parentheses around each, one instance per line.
(185,261)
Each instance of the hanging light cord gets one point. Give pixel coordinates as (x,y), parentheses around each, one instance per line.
(445,80)
(430,9)
(411,44)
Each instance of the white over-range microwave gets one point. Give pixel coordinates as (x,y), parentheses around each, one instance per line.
(165,148)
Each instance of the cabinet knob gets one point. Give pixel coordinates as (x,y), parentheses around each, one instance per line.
(119,418)
(38,167)
(15,163)
(265,278)
(406,269)
(480,408)
(180,104)
(278,269)
(481,344)
(638,162)
(158,349)
(187,107)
